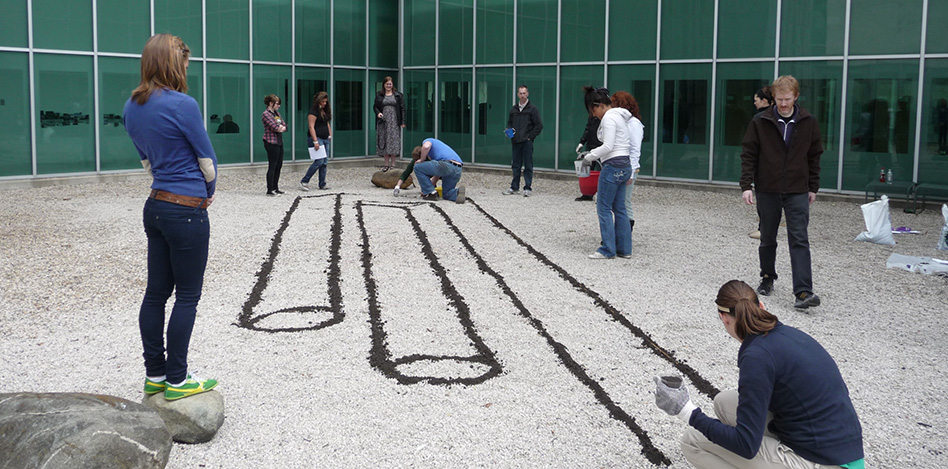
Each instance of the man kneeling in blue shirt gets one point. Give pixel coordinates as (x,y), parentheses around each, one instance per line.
(436,158)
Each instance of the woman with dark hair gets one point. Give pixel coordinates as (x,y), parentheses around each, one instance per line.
(763,101)
(273,128)
(168,131)
(636,134)
(390,118)
(791,409)
(613,154)
(318,136)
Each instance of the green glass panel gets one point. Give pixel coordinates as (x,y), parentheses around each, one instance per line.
(455,119)
(492,92)
(636,42)
(937,40)
(456,30)
(123,25)
(582,32)
(880,121)
(541,83)
(821,85)
(495,28)
(183,19)
(685,91)
(383,33)
(196,82)
(14,30)
(350,114)
(812,27)
(536,32)
(376,79)
(65,136)
(933,154)
(228,30)
(309,81)
(118,76)
(272,30)
(419,32)
(349,39)
(312,31)
(747,28)
(687,29)
(228,88)
(885,27)
(734,108)
(419,93)
(273,79)
(62,24)
(16,158)
(573,113)
(639,80)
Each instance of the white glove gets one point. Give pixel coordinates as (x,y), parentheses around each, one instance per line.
(579,147)
(396,191)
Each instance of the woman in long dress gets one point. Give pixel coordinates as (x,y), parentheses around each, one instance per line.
(390,118)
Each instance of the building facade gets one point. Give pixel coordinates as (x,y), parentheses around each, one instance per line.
(874,72)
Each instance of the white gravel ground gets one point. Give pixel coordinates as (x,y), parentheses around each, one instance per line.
(539,356)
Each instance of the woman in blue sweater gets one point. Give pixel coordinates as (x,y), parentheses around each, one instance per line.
(791,407)
(167,129)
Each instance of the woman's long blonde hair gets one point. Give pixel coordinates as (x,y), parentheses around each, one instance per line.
(164,66)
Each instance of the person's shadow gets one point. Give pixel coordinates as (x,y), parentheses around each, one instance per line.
(228,126)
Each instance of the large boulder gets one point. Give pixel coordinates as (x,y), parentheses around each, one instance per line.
(78,431)
(194,419)
(388,179)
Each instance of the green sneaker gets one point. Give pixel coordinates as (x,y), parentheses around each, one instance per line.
(193,385)
(154,387)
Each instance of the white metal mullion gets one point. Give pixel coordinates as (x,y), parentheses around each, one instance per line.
(436,98)
(95,87)
(714,89)
(513,65)
(475,110)
(366,94)
(777,39)
(658,55)
(332,58)
(605,58)
(250,88)
(921,89)
(293,97)
(32,85)
(843,98)
(204,63)
(559,77)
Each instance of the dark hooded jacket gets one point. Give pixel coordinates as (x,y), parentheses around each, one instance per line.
(770,165)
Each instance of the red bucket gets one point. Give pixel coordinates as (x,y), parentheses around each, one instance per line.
(588,185)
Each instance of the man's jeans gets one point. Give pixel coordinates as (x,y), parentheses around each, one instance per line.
(797,209)
(449,173)
(614,224)
(522,156)
(318,165)
(177,256)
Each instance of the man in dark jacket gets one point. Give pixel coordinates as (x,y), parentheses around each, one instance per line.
(781,161)
(525,120)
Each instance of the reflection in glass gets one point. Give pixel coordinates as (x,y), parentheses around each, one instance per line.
(16,158)
(933,154)
(493,96)
(349,105)
(686,108)
(456,112)
(117,78)
(494,31)
(227,93)
(65,136)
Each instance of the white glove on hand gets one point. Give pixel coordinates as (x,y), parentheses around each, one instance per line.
(672,397)
(579,147)
(396,191)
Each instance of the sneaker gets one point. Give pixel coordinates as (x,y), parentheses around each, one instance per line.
(461,198)
(324,187)
(304,186)
(272,194)
(584,197)
(511,191)
(279,192)
(599,255)
(527,192)
(754,234)
(154,387)
(624,256)
(193,385)
(805,300)
(431,196)
(766,286)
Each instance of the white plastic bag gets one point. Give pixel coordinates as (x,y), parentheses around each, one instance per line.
(878,225)
(943,239)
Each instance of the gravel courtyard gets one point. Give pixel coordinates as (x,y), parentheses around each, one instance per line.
(351,328)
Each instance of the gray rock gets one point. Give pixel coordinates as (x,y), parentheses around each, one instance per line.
(77,431)
(388,179)
(194,419)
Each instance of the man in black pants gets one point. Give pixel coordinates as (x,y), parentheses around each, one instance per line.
(525,120)
(781,161)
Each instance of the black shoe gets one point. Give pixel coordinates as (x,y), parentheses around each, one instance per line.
(271,194)
(278,191)
(431,196)
(766,286)
(631,226)
(584,197)
(806,299)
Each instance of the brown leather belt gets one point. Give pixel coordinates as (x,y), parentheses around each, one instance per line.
(186,200)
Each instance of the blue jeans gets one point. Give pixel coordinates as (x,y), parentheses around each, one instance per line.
(610,206)
(629,187)
(449,173)
(522,156)
(318,165)
(797,209)
(177,255)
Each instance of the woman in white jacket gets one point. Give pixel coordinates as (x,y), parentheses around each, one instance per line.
(613,154)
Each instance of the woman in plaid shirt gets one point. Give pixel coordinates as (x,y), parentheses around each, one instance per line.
(273,128)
